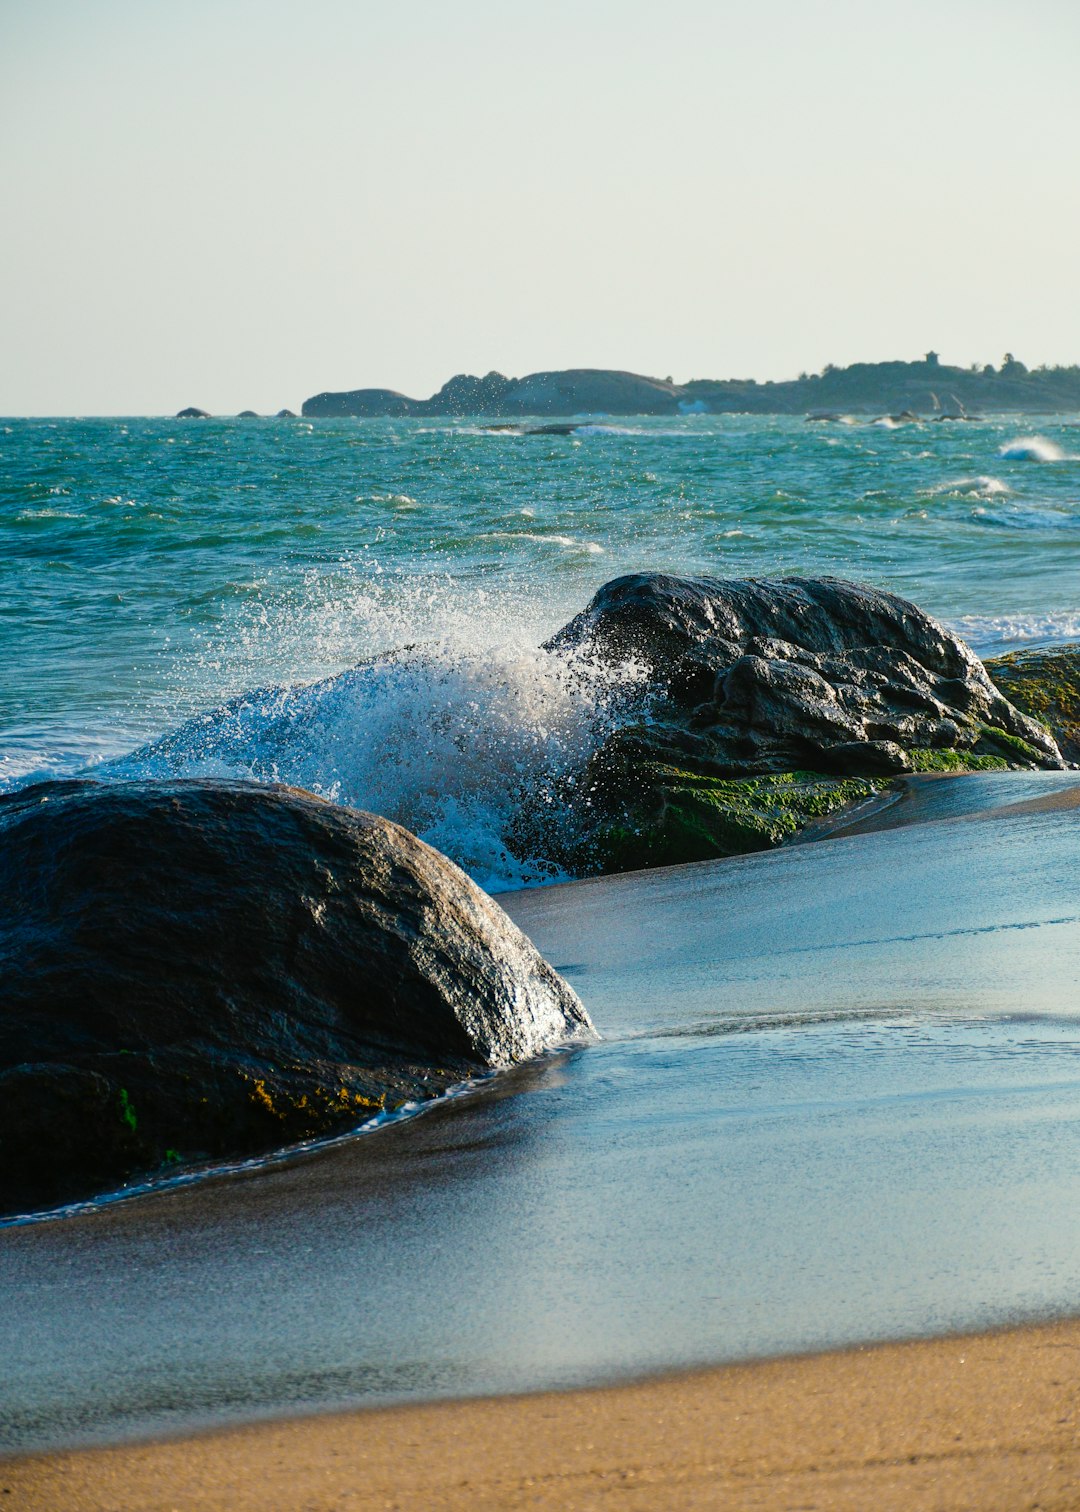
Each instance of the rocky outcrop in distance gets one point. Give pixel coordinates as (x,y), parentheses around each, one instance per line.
(575,391)
(199,969)
(901,392)
(193,413)
(772,702)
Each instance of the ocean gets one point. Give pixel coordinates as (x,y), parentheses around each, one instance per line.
(836,1096)
(152,571)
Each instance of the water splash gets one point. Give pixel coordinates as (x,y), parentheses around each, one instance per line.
(446,741)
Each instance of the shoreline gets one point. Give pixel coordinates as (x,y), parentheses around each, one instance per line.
(988,1420)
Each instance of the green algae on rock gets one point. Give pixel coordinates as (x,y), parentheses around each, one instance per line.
(1044,684)
(686,816)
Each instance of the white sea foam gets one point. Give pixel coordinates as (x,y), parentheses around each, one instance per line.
(444,739)
(1033,449)
(570,543)
(989,634)
(981,487)
(398,501)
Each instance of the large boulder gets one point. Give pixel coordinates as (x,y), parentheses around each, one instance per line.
(203,969)
(771,702)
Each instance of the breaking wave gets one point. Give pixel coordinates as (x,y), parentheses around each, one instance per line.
(981,487)
(450,742)
(1032,449)
(990,634)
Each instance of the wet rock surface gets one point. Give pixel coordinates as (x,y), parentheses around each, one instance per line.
(199,969)
(773,702)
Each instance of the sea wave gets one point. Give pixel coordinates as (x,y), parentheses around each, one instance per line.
(1033,449)
(1026,517)
(444,740)
(982,486)
(991,634)
(570,543)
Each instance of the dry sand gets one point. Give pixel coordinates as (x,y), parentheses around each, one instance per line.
(985,1422)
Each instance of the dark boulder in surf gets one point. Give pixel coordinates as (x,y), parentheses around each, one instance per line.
(773,701)
(1045,683)
(197,970)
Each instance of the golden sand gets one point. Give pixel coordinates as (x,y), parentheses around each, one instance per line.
(981,1423)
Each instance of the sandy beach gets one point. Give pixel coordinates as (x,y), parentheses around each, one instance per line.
(988,1421)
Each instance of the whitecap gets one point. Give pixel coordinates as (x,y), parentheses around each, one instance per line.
(592,548)
(1032,449)
(981,487)
(399,501)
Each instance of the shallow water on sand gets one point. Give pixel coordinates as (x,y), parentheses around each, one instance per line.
(838,1099)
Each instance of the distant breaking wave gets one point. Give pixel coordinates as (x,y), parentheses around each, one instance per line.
(981,487)
(1033,449)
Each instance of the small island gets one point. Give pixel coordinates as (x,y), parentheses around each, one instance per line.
(902,391)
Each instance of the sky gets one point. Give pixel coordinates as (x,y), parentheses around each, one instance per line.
(239,203)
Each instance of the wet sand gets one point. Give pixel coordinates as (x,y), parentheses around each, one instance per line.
(984,1422)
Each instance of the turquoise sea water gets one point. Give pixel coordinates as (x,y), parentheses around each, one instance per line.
(152,569)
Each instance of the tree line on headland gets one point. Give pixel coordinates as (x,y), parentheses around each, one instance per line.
(928,387)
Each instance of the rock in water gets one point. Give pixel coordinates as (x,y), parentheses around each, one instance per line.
(193,412)
(766,675)
(201,969)
(772,702)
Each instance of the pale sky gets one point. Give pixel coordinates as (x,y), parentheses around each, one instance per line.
(238,203)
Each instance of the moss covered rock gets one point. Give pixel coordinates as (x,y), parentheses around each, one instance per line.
(686,816)
(1046,686)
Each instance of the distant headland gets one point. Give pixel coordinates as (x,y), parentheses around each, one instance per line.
(927,389)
